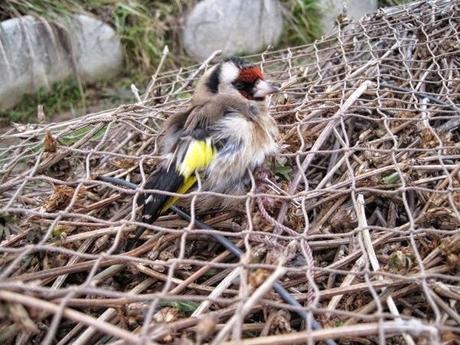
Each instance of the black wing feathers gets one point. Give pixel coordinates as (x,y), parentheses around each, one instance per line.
(163,179)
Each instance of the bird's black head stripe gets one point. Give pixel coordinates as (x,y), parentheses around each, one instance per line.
(239,62)
(213,81)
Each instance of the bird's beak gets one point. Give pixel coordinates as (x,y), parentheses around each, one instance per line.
(264,88)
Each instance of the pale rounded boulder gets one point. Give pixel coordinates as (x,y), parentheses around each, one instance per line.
(233,26)
(35,54)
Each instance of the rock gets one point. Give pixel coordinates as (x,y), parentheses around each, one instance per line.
(101,52)
(35,54)
(355,9)
(234,26)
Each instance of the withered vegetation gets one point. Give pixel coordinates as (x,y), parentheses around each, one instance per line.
(357,217)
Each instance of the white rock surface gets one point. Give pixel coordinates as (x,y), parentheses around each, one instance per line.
(355,9)
(234,26)
(35,54)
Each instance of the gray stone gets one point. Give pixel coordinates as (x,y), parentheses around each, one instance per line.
(35,54)
(355,9)
(234,26)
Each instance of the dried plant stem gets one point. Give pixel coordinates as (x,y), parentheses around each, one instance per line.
(363,330)
(347,281)
(202,271)
(320,141)
(217,291)
(151,85)
(108,314)
(77,316)
(372,258)
(252,300)
(368,121)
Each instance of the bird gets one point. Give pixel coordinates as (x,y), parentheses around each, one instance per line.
(226,132)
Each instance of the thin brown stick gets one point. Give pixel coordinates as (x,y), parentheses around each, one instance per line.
(74,315)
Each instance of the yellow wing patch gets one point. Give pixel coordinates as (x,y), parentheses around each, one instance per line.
(199,155)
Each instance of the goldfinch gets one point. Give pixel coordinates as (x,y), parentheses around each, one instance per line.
(226,132)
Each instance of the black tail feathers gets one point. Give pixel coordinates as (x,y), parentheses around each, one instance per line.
(162,179)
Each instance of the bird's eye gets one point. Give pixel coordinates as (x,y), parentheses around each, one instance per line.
(245,88)
(239,85)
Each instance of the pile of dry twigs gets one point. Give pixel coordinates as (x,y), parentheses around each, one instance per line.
(358,220)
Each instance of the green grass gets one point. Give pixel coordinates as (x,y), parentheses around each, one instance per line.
(145,27)
(145,30)
(302,22)
(62,97)
(78,134)
(187,308)
(384,3)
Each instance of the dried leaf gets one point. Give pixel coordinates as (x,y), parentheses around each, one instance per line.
(123,163)
(167,314)
(450,247)
(49,143)
(206,326)
(400,262)
(281,323)
(59,199)
(257,277)
(62,230)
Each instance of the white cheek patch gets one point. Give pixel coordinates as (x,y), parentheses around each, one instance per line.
(229,72)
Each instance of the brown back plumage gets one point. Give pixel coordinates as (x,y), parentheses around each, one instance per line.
(205,109)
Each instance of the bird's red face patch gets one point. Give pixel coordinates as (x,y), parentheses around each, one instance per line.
(246,80)
(250,74)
